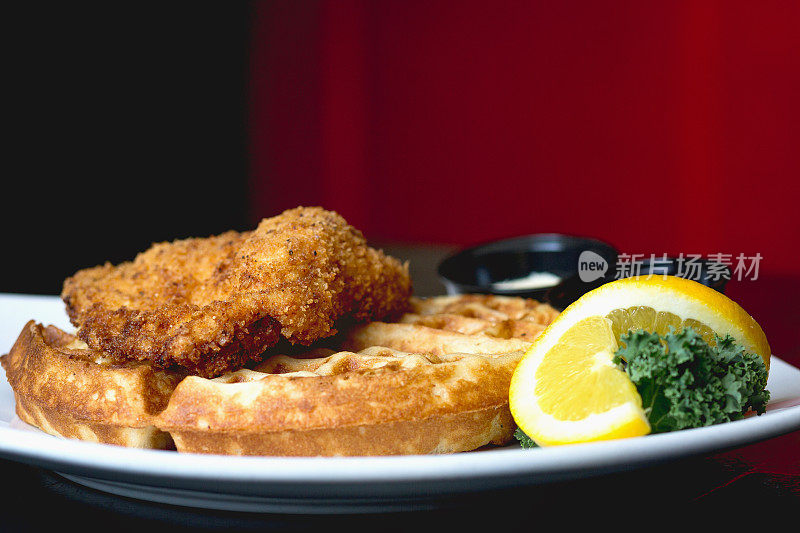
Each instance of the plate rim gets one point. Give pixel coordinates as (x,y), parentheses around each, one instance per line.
(110,461)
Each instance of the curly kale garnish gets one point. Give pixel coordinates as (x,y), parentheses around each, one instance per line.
(686,382)
(524,440)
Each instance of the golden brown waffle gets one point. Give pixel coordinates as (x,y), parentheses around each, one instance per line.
(496,316)
(435,382)
(65,389)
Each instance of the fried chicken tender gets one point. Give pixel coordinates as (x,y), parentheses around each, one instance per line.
(212,305)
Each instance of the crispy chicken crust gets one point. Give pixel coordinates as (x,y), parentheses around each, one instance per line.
(211,305)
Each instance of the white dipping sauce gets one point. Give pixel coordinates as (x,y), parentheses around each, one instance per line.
(534,280)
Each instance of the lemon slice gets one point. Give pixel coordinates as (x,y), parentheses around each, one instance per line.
(566,389)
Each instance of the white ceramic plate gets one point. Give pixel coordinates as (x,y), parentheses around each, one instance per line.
(349,484)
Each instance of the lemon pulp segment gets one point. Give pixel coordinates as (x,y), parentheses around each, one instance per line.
(648,319)
(583,357)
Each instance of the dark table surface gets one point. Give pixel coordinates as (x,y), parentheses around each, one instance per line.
(745,478)
(763,476)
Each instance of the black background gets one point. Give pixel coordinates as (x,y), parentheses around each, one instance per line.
(128,126)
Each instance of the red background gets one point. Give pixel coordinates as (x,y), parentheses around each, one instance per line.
(660,127)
